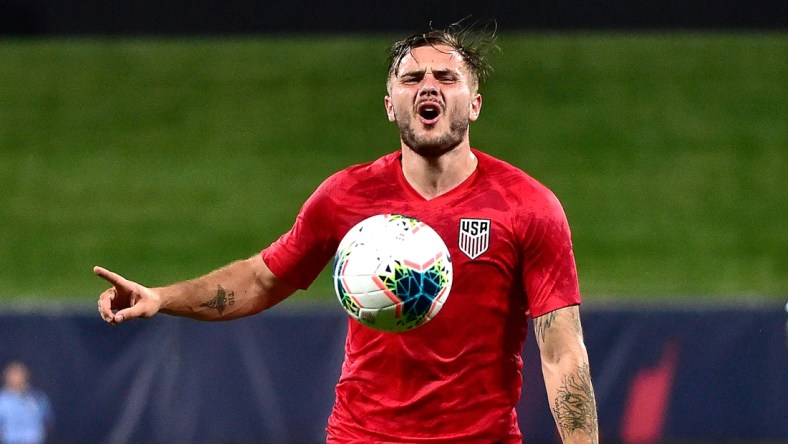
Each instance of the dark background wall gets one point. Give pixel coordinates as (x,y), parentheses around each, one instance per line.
(232,17)
(706,375)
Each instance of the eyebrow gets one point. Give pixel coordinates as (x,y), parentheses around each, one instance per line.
(423,72)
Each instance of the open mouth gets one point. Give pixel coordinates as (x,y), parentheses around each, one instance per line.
(429,112)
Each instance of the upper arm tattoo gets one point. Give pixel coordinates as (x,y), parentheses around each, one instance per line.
(543,323)
(221,300)
(575,405)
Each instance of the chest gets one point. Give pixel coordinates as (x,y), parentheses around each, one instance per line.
(480,237)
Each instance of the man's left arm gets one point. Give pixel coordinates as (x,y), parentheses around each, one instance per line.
(567,375)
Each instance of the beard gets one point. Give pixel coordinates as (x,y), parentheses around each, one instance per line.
(429,145)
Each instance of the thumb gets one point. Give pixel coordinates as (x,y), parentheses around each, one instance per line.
(139,310)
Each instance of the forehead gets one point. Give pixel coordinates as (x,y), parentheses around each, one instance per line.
(431,57)
(15,370)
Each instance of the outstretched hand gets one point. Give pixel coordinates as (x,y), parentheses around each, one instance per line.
(126,299)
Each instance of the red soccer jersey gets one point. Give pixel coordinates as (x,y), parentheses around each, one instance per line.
(458,377)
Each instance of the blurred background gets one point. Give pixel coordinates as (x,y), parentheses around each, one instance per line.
(162,140)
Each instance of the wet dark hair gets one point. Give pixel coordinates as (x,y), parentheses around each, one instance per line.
(474,42)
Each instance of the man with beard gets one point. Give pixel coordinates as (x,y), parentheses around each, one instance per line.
(458,377)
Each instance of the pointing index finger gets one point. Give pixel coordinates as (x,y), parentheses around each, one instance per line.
(111,277)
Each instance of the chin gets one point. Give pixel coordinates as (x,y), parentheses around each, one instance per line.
(432,150)
(436,144)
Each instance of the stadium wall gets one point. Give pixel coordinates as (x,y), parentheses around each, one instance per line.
(182,17)
(661,375)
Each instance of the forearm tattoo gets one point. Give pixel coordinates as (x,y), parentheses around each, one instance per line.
(221,300)
(575,406)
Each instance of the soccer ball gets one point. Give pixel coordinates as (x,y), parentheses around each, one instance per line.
(392,272)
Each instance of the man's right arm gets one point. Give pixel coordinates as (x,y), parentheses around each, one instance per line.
(243,288)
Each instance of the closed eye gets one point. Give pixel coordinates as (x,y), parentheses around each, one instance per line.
(411,78)
(446,75)
(446,78)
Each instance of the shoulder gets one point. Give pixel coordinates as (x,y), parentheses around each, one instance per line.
(352,184)
(6,398)
(518,187)
(362,172)
(357,181)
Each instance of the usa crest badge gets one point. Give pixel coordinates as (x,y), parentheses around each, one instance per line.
(474,237)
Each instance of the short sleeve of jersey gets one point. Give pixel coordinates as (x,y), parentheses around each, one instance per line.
(299,255)
(549,272)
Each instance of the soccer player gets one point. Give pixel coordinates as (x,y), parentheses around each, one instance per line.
(457,378)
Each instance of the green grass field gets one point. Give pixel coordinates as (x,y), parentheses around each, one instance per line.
(163,159)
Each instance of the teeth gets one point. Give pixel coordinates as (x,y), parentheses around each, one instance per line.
(429,111)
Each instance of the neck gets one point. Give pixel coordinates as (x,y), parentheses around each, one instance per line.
(433,176)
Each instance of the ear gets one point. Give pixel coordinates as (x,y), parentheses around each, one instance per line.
(389,109)
(475,107)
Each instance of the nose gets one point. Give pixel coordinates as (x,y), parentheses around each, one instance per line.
(429,86)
